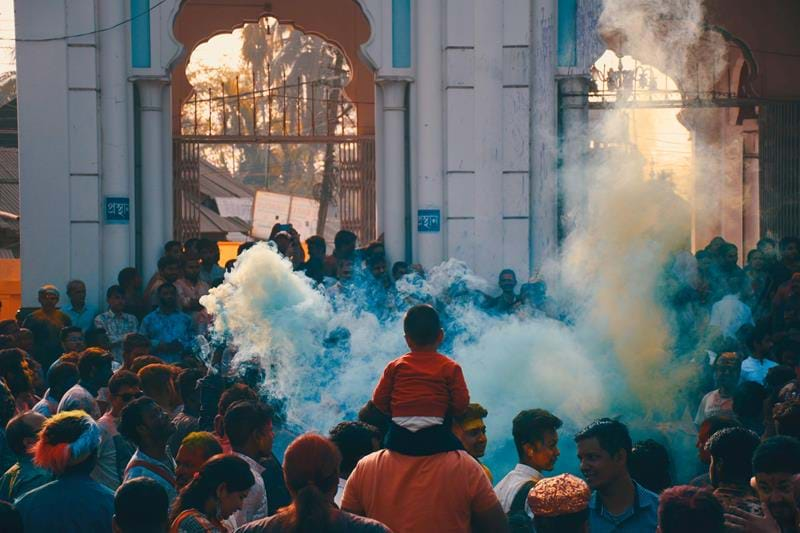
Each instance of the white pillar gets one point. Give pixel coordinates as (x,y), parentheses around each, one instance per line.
(167,187)
(430,146)
(544,102)
(574,104)
(115,167)
(393,176)
(152,201)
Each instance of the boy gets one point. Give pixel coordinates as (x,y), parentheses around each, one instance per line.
(421,389)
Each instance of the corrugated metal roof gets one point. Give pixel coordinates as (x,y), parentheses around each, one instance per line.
(216,182)
(9,181)
(211,222)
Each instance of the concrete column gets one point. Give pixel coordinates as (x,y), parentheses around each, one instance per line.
(574,141)
(153,181)
(114,105)
(393,176)
(430,128)
(751,207)
(544,100)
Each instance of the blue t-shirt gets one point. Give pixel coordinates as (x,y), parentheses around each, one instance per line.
(641,517)
(72,503)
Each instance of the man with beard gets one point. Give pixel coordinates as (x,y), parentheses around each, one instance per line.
(727,369)
(618,503)
(149,427)
(471,431)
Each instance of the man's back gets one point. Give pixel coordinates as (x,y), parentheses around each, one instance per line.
(441,492)
(71,503)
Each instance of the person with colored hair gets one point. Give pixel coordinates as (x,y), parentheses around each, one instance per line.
(687,509)
(470,429)
(196,448)
(311,468)
(560,504)
(141,506)
(67,447)
(215,493)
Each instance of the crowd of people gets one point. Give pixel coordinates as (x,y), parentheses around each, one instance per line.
(109,420)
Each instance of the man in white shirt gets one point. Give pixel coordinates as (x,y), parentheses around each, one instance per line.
(536,438)
(248,426)
(115,322)
(755,367)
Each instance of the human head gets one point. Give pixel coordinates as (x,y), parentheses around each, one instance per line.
(376,249)
(129,279)
(143,361)
(169,268)
(756,260)
(400,269)
(133,346)
(344,269)
(687,509)
(535,434)
(189,392)
(787,418)
(67,442)
(604,447)
(470,429)
(115,298)
(94,366)
(729,254)
(377,266)
(767,247)
(14,371)
(76,292)
(789,246)
(168,297)
(72,339)
(221,485)
(731,450)
(311,472)
(190,247)
(22,431)
(237,393)
(124,387)
(173,249)
(141,505)
(196,448)
(191,269)
(248,426)
(158,383)
(61,376)
(649,465)
(316,247)
(144,422)
(354,441)
(344,244)
(707,428)
(727,368)
(208,251)
(97,338)
(8,407)
(760,339)
(507,280)
(422,328)
(748,405)
(775,462)
(560,504)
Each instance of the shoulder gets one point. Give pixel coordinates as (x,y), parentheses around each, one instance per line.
(262,525)
(646,497)
(359,523)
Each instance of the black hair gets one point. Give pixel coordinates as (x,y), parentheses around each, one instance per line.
(649,465)
(765,240)
(751,253)
(245,418)
(612,435)
(748,400)
(399,265)
(687,509)
(786,241)
(141,506)
(17,430)
(61,376)
(244,247)
(10,519)
(776,455)
(172,244)
(135,340)
(236,393)
(93,336)
(565,523)
(777,377)
(229,469)
(123,378)
(315,240)
(507,271)
(354,440)
(529,426)
(206,244)
(133,416)
(422,325)
(187,383)
(115,289)
(166,285)
(735,447)
(168,261)
(65,332)
(92,359)
(344,237)
(787,418)
(127,275)
(758,333)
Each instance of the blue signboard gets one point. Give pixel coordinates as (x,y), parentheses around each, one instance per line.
(118,210)
(429,221)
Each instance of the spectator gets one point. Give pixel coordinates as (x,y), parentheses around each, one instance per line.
(67,447)
(776,462)
(190,289)
(733,279)
(45,325)
(143,361)
(237,393)
(618,503)
(727,367)
(535,434)
(94,367)
(24,476)
(748,405)
(116,322)
(758,281)
(354,440)
(195,449)
(248,426)
(686,509)
(377,267)
(169,270)
(173,249)
(190,248)
(148,427)
(311,466)
(187,418)
(470,430)
(755,367)
(72,339)
(649,466)
(709,426)
(131,282)
(15,372)
(115,451)
(79,312)
(769,248)
(98,338)
(210,271)
(134,346)
(61,377)
(169,329)
(158,383)
(507,280)
(7,412)
(315,266)
(560,505)
(141,506)
(731,450)
(214,494)
(399,270)
(788,265)
(787,418)
(344,249)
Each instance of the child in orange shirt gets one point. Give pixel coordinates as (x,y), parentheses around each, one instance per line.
(422,390)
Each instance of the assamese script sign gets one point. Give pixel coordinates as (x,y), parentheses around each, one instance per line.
(270,208)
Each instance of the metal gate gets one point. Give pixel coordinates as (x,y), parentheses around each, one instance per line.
(779,165)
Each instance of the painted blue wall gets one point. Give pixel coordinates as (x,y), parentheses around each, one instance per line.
(140,33)
(401,33)
(567,33)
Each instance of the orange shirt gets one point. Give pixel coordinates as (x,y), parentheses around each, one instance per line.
(422,384)
(419,494)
